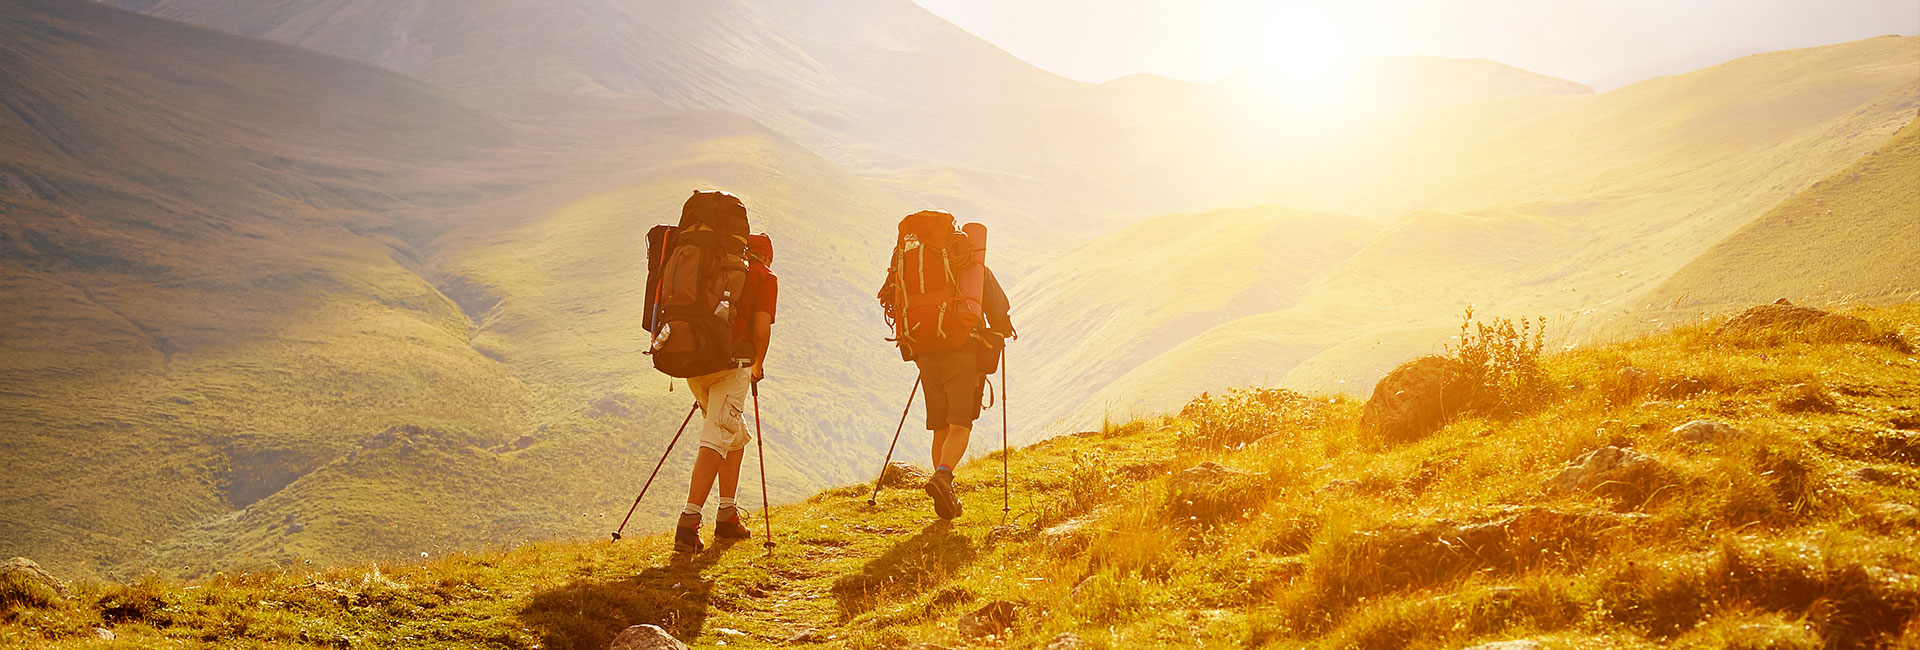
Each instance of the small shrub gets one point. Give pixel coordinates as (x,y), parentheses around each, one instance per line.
(17,592)
(1109,597)
(1501,362)
(1244,415)
(142,601)
(1089,482)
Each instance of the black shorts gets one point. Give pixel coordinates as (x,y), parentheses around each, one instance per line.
(952,382)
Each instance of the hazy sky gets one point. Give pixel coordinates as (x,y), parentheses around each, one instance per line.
(1602,43)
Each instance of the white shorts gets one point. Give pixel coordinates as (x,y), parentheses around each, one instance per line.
(723,399)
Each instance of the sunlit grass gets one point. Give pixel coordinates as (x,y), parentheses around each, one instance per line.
(1776,538)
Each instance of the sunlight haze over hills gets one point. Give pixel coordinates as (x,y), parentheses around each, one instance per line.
(287,286)
(1604,44)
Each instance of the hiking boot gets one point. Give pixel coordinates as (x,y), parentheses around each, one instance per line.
(940,487)
(729,525)
(686,536)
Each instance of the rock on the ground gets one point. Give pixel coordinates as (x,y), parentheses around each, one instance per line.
(1807,398)
(1701,432)
(1339,485)
(1891,515)
(902,474)
(1071,536)
(1067,641)
(1875,475)
(646,637)
(103,634)
(1783,317)
(1414,400)
(31,573)
(1207,476)
(1602,466)
(993,618)
(1522,644)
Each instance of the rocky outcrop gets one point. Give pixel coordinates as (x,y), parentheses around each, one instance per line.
(1414,400)
(23,574)
(902,474)
(1208,476)
(1702,432)
(1807,398)
(1071,536)
(1067,641)
(646,637)
(1208,493)
(1610,471)
(1785,319)
(993,619)
(1521,644)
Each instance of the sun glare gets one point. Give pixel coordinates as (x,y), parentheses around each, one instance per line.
(1304,59)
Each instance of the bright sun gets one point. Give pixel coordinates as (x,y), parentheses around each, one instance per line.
(1305,58)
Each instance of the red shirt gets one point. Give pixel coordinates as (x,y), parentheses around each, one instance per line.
(762,295)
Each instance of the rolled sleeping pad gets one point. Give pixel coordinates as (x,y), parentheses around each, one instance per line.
(656,255)
(973,280)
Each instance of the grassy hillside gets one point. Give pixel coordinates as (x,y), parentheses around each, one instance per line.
(207,289)
(1791,530)
(1844,238)
(272,307)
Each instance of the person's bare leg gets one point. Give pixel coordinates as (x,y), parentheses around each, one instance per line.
(730,473)
(953,446)
(939,444)
(705,468)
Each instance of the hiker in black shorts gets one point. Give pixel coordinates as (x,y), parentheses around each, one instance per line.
(954,381)
(949,316)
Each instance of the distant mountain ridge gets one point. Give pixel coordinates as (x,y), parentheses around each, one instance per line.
(1564,206)
(880,87)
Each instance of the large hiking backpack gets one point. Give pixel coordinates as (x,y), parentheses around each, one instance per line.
(923,298)
(696,275)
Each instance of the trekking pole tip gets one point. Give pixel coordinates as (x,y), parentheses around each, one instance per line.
(616,536)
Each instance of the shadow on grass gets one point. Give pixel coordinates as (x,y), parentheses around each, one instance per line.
(913,566)
(588,614)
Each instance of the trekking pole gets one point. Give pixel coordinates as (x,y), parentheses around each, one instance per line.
(896,440)
(1006,492)
(766,514)
(656,471)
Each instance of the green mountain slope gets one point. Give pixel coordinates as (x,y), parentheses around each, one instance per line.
(233,268)
(1844,238)
(1791,530)
(195,225)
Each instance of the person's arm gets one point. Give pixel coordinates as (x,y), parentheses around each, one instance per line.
(762,335)
(996,304)
(763,312)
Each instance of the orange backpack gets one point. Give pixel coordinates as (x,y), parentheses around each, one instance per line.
(923,298)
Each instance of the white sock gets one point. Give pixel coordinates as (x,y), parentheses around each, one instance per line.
(691,509)
(726,503)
